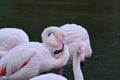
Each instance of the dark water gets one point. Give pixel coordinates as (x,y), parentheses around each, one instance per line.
(100,17)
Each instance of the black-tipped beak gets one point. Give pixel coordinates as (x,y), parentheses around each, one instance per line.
(82,64)
(59,51)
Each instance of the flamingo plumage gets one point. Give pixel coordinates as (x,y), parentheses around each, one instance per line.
(28,60)
(75,37)
(10,38)
(76,70)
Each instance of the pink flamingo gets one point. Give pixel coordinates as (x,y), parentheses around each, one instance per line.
(10,38)
(28,60)
(76,70)
(75,37)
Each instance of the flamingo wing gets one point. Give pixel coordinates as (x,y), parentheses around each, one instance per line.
(8,42)
(15,59)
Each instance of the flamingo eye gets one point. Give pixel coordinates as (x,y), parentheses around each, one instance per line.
(49,34)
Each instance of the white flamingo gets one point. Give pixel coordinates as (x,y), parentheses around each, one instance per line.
(11,37)
(49,76)
(76,70)
(75,37)
(28,60)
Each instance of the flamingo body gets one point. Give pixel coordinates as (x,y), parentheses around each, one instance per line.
(28,60)
(76,70)
(76,37)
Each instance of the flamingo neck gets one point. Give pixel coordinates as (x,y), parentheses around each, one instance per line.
(76,67)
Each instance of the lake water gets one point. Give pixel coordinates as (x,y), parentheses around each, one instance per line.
(100,17)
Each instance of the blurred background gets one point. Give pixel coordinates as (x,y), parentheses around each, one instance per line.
(100,17)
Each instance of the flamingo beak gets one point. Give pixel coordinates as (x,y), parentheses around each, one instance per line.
(59,48)
(82,64)
(82,59)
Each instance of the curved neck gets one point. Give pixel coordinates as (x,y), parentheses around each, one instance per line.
(76,67)
(51,40)
(62,59)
